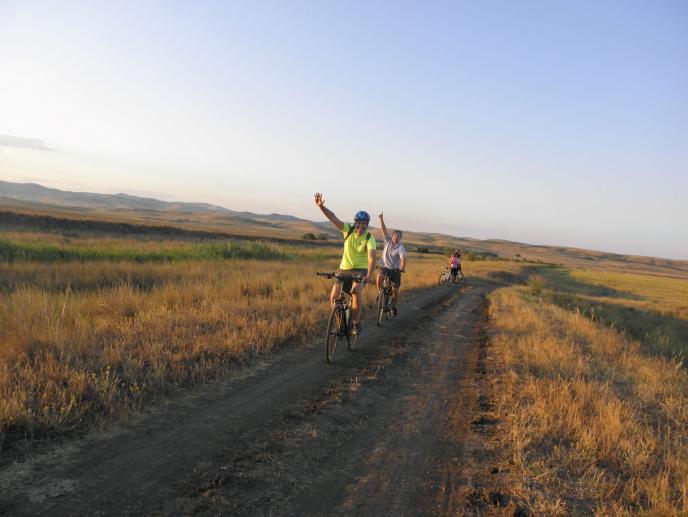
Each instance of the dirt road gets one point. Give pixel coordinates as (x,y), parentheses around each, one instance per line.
(394,428)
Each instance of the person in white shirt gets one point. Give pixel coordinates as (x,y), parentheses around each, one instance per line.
(393,261)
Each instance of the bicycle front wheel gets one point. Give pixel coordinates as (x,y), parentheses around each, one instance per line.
(333,332)
(380,307)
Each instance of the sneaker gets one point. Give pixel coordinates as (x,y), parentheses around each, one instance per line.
(356,329)
(394,312)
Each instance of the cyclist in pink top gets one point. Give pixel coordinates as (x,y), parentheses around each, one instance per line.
(455,266)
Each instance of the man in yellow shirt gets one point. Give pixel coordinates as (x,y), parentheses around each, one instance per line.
(358,258)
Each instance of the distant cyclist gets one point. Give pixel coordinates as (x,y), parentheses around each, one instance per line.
(455,266)
(358,258)
(393,260)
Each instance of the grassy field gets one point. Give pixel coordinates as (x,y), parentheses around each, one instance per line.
(32,247)
(93,329)
(593,390)
(650,309)
(594,394)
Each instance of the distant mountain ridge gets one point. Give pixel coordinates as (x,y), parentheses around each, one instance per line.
(38,193)
(35,193)
(35,197)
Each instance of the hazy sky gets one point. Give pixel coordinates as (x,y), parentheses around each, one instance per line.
(546,122)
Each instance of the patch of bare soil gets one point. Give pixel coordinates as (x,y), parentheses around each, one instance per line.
(401,426)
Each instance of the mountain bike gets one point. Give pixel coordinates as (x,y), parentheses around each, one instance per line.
(339,323)
(384,297)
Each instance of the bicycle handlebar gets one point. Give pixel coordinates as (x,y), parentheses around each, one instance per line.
(355,278)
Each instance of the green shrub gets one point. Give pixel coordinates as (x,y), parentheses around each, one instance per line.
(536,283)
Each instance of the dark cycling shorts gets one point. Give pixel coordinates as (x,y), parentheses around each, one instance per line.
(349,273)
(455,270)
(394,275)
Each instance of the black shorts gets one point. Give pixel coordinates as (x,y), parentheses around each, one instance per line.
(394,276)
(351,273)
(455,270)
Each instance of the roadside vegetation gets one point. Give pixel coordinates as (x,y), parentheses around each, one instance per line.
(594,392)
(650,309)
(40,248)
(94,329)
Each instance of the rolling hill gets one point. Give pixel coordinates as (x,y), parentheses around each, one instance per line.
(34,203)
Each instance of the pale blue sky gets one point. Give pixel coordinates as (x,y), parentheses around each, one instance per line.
(545,122)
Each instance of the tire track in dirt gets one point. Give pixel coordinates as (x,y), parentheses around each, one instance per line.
(291,436)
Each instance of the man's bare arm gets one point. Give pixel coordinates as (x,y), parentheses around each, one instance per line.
(328,213)
(402,266)
(383,226)
(372,254)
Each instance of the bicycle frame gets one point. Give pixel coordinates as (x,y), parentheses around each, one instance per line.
(385,296)
(339,322)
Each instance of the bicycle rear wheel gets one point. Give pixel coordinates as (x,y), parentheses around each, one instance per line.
(388,305)
(333,332)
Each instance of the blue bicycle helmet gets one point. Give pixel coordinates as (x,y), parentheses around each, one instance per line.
(362,215)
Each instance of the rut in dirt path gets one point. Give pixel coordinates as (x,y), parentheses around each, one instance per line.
(368,435)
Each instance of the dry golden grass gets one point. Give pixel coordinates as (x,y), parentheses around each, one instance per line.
(88,341)
(659,293)
(649,308)
(592,424)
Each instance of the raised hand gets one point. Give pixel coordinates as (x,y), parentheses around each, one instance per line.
(319,199)
(320,202)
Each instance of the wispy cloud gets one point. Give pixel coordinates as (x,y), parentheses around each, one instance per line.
(23,143)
